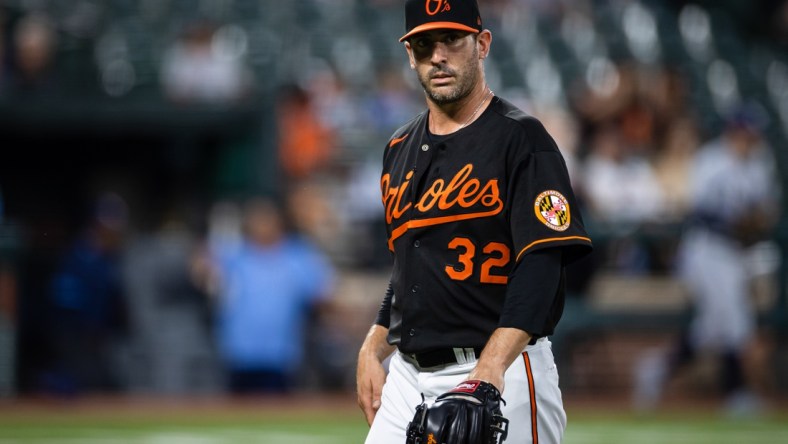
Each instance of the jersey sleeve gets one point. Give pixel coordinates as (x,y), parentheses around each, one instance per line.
(544,211)
(384,312)
(535,294)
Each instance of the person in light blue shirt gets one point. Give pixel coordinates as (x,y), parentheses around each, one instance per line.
(270,283)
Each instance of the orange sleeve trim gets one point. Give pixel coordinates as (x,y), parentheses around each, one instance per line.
(552,239)
(532,393)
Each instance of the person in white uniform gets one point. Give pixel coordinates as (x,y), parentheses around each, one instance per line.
(734,205)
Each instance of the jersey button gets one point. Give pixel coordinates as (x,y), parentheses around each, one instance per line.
(425,147)
(416,243)
(414,289)
(412,332)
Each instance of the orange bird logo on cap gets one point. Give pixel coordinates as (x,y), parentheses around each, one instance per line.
(435,6)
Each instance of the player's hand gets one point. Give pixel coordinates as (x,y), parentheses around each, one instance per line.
(370,376)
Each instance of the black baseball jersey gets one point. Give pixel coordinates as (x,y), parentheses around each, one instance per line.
(461,210)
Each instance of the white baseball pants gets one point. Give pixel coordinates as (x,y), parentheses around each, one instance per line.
(533,399)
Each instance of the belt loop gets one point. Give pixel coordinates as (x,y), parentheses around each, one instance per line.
(464,355)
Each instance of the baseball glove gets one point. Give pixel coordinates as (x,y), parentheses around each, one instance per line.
(751,228)
(467,414)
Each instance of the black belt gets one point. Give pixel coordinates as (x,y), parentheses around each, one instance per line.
(446,356)
(441,356)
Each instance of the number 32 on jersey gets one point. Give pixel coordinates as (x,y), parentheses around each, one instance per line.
(494,256)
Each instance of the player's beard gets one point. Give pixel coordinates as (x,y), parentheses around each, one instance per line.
(466,76)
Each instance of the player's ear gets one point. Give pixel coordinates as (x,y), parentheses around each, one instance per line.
(484,40)
(412,60)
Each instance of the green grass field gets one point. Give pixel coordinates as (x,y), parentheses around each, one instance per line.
(329,422)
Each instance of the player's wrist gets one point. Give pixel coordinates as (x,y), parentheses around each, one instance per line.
(375,345)
(372,355)
(491,374)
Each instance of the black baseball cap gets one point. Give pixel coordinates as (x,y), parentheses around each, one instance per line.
(426,15)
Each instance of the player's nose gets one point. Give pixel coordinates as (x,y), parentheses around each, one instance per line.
(439,53)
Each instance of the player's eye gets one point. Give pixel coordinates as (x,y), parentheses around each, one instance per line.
(422,43)
(454,38)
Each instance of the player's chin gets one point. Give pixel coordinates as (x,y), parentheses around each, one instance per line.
(443,95)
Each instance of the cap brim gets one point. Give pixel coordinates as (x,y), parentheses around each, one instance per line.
(438,25)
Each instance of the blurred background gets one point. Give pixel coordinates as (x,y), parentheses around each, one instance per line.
(189,189)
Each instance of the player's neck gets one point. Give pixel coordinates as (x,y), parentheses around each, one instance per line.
(448,118)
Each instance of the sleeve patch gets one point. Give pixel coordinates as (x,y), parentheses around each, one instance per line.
(552,209)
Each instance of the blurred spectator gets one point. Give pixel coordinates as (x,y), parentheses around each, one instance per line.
(332,101)
(313,214)
(734,197)
(637,124)
(198,68)
(33,52)
(392,102)
(269,286)
(172,348)
(622,196)
(366,225)
(306,145)
(665,90)
(88,303)
(602,97)
(620,184)
(672,164)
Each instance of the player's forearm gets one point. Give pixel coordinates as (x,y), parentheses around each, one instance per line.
(375,344)
(503,347)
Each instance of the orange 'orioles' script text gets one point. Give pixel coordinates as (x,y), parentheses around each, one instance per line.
(462,191)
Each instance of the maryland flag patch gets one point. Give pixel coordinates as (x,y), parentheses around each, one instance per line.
(552,209)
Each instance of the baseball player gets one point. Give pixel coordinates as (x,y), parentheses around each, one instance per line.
(734,197)
(481,220)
